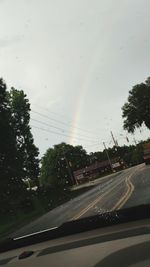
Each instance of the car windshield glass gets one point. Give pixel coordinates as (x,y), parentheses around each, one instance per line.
(74,110)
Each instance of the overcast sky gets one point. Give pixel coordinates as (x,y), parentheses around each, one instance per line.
(76,60)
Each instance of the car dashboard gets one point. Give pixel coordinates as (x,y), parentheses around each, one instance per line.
(118,245)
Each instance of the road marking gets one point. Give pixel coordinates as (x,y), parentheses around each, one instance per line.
(130,189)
(124,198)
(91,205)
(121,201)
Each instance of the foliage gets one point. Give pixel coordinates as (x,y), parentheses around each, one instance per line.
(27,152)
(97,156)
(18,155)
(10,184)
(137,110)
(131,155)
(59,162)
(55,171)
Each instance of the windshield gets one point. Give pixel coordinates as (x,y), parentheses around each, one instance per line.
(74,111)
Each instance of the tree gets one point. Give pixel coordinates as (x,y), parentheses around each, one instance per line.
(18,154)
(137,110)
(10,184)
(59,162)
(7,140)
(27,152)
(131,155)
(97,156)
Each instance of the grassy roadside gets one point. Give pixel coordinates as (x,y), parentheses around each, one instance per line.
(41,206)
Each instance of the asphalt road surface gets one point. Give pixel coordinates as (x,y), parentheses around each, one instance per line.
(128,188)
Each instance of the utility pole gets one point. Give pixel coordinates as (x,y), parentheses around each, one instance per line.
(28,181)
(115,141)
(134,141)
(127,139)
(135,148)
(108,156)
(69,170)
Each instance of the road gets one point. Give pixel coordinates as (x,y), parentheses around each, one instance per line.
(125,189)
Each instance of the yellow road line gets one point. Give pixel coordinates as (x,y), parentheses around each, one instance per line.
(123,200)
(119,204)
(129,192)
(91,205)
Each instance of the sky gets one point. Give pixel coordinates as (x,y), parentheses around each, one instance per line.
(76,60)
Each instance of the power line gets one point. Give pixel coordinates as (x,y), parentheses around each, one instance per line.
(61,122)
(48,111)
(55,127)
(53,132)
(60,115)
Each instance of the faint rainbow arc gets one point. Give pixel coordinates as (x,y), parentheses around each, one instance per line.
(82,96)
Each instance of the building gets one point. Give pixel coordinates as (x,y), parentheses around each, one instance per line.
(98,169)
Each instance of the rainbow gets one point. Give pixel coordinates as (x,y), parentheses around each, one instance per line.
(87,81)
(77,116)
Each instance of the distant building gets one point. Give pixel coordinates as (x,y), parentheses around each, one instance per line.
(98,168)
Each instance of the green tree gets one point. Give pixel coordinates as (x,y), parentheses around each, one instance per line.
(10,184)
(97,156)
(131,155)
(27,152)
(59,162)
(137,109)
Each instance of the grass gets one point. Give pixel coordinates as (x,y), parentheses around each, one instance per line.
(42,205)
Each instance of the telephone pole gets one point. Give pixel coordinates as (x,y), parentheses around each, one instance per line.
(108,156)
(134,141)
(71,175)
(115,141)
(69,170)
